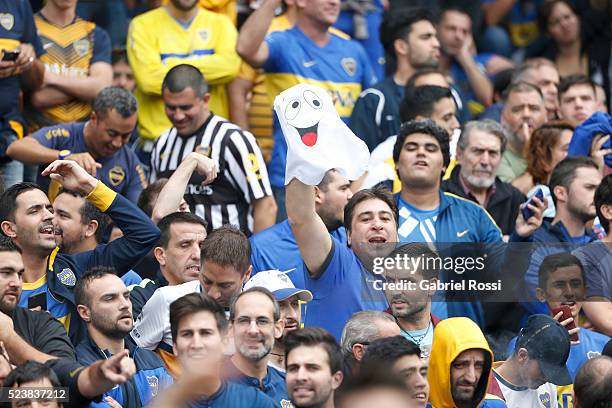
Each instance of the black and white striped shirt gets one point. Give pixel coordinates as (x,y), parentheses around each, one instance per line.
(242,176)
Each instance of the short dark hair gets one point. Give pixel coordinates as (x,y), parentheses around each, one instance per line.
(227,246)
(369,380)
(312,337)
(256,289)
(398,24)
(422,72)
(555,261)
(428,127)
(327,178)
(173,218)
(384,352)
(148,196)
(420,101)
(575,79)
(90,212)
(381,194)
(8,199)
(31,371)
(194,303)
(114,98)
(119,55)
(520,87)
(592,383)
(603,196)
(80,289)
(564,172)
(185,76)
(7,245)
(417,250)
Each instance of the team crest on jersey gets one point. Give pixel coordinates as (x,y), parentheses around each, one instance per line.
(66,276)
(349,65)
(116,175)
(153,384)
(7,21)
(81,46)
(204,34)
(205,150)
(286,404)
(592,354)
(545,400)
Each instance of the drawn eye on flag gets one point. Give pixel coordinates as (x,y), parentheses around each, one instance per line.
(317,139)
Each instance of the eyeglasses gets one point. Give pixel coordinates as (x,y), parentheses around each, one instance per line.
(261,322)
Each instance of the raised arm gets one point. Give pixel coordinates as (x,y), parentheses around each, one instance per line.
(310,232)
(170,196)
(140,234)
(251,45)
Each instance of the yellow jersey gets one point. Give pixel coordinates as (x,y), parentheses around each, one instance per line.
(158,42)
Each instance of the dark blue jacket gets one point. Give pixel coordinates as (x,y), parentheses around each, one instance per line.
(151,376)
(140,236)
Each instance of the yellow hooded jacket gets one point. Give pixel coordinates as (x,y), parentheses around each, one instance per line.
(452,337)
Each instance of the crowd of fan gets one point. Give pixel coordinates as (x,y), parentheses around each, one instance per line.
(152,252)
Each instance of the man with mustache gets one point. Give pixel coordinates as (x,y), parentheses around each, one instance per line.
(314,368)
(99,145)
(412,308)
(255,321)
(103,302)
(27,218)
(524,111)
(460,367)
(290,301)
(479,152)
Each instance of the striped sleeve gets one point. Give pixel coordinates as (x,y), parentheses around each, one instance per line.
(246,165)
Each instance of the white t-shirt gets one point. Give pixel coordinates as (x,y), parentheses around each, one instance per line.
(152,328)
(521,397)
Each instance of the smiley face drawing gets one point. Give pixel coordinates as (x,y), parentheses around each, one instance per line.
(304,112)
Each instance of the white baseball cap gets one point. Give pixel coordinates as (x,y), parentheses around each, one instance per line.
(279,284)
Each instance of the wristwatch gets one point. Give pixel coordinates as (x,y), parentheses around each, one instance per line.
(63,154)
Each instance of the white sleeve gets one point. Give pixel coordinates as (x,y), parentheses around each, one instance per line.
(149,328)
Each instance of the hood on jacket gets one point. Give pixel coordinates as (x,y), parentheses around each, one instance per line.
(452,337)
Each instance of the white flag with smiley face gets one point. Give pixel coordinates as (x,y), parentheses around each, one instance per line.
(317,139)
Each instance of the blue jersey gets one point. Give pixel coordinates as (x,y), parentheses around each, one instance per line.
(275,248)
(341,67)
(16,27)
(151,376)
(122,171)
(273,384)
(236,396)
(140,236)
(343,287)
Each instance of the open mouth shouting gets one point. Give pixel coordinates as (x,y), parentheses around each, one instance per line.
(309,135)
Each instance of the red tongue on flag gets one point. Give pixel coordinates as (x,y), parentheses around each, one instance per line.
(309,139)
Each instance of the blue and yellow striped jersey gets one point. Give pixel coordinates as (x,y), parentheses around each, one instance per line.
(341,67)
(70,51)
(157,42)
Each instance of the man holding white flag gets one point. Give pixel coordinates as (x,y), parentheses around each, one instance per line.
(338,276)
